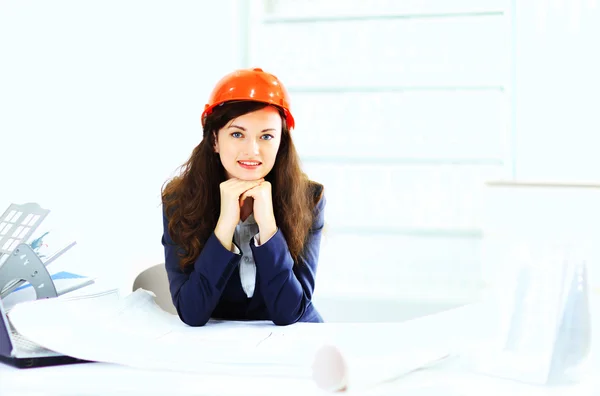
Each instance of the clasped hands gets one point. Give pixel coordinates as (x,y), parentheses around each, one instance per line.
(234,192)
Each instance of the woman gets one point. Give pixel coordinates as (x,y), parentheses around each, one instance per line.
(242,223)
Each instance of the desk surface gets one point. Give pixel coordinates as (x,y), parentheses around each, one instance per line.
(452,377)
(107,379)
(449,379)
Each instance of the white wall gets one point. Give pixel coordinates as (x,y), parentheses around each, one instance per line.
(557,90)
(406,108)
(100,102)
(555,96)
(402,112)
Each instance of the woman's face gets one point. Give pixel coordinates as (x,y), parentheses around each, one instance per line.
(248,144)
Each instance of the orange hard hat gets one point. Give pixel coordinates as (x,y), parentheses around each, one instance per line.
(250,84)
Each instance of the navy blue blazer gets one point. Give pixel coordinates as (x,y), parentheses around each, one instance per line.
(283,291)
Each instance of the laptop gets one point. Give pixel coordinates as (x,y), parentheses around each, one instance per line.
(20,352)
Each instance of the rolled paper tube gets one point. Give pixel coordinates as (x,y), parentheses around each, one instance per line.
(329,369)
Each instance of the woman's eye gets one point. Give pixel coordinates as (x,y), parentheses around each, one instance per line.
(236,134)
(266,137)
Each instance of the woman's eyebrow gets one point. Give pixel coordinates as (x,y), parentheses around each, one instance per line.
(244,129)
(238,127)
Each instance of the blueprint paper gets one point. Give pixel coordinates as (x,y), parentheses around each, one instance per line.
(134,331)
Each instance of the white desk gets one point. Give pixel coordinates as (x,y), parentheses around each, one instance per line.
(105,379)
(451,377)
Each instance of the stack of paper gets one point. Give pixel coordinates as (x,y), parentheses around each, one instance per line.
(134,331)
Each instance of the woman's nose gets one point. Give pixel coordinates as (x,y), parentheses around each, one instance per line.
(252,146)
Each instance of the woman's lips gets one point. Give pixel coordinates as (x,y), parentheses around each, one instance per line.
(249,164)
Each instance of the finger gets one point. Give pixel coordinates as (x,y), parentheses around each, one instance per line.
(246,194)
(253,193)
(238,187)
(246,185)
(242,199)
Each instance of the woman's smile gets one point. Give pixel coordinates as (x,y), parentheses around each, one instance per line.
(250,165)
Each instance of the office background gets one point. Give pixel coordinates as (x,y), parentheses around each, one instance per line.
(404,109)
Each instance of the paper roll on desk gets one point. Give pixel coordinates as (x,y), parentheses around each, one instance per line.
(335,371)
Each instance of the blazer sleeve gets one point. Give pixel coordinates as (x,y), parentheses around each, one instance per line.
(196,294)
(288,289)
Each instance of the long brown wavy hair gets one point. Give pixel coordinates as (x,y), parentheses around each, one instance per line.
(192,199)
